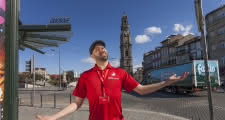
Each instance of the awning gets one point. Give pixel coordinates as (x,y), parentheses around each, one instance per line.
(37,37)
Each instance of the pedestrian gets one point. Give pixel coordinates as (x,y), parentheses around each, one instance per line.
(223,87)
(102,86)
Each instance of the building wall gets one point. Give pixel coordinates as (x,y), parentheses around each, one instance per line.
(138,75)
(215,22)
(181,50)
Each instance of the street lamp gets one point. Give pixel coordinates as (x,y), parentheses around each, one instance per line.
(60,81)
(201,28)
(59,71)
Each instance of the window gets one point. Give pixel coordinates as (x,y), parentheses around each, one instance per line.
(223,60)
(210,19)
(192,46)
(126,52)
(220,15)
(198,45)
(221,31)
(199,55)
(212,34)
(223,44)
(126,34)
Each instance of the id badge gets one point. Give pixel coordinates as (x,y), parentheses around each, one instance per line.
(103,100)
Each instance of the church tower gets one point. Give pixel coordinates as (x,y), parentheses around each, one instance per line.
(126,46)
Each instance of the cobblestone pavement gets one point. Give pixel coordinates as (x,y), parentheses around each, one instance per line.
(189,106)
(155,106)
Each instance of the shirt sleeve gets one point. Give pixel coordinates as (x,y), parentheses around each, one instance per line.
(80,89)
(129,83)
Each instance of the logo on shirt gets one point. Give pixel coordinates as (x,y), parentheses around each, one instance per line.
(113,74)
(113,78)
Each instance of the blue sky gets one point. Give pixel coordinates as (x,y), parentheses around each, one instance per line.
(150,22)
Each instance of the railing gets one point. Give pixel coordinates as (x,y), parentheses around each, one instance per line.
(45,99)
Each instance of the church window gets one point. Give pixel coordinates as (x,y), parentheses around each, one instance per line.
(126,52)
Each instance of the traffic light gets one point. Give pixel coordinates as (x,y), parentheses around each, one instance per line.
(28,66)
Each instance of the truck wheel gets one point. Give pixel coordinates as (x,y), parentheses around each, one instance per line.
(174,90)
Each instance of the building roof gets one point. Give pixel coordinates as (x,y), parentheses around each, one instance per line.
(40,68)
(170,37)
(217,9)
(197,38)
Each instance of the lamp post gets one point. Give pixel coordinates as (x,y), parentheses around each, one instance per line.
(33,71)
(202,29)
(59,71)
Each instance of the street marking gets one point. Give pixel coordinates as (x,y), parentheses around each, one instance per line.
(151,112)
(140,111)
(203,104)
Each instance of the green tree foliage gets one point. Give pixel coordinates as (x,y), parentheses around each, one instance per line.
(70,76)
(25,77)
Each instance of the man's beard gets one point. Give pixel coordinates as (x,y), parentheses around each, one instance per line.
(102,58)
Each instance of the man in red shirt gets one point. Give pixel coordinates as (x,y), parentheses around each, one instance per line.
(102,85)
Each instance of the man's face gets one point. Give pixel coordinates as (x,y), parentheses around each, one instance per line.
(99,53)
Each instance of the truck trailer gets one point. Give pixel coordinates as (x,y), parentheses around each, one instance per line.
(196,79)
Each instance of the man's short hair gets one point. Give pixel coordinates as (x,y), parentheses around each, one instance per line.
(96,42)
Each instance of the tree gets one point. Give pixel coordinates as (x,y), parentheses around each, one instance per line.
(25,77)
(54,80)
(70,76)
(39,77)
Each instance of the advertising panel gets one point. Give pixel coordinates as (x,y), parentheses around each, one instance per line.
(2,54)
(213,72)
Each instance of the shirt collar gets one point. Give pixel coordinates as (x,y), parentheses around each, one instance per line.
(95,68)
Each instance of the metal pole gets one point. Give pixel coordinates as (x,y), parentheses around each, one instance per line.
(31,99)
(41,99)
(207,74)
(11,61)
(201,27)
(54,101)
(33,79)
(59,71)
(70,98)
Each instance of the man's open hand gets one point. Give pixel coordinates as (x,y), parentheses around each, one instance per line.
(45,117)
(174,78)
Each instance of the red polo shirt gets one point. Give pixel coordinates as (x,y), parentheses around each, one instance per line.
(89,85)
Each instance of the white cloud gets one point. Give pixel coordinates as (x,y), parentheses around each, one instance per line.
(179,28)
(88,60)
(136,66)
(187,33)
(115,63)
(140,39)
(153,30)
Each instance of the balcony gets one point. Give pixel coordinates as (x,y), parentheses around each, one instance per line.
(148,66)
(181,52)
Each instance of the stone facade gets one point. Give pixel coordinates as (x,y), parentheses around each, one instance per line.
(176,49)
(215,26)
(126,46)
(138,75)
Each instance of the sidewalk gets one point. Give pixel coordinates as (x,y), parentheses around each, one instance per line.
(28,113)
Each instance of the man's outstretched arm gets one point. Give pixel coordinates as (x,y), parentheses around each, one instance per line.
(67,110)
(146,89)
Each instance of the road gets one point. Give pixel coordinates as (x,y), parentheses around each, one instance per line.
(194,107)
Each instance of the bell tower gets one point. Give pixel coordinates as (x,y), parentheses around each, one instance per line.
(126,46)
